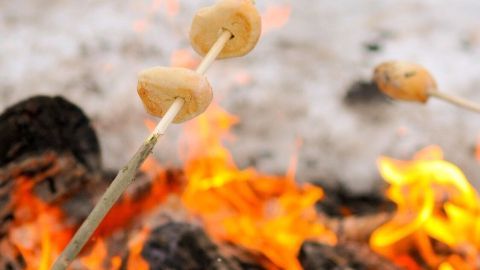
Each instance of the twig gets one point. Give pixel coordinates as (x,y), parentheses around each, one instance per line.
(127,174)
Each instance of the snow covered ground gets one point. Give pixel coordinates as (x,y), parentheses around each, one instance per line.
(292,86)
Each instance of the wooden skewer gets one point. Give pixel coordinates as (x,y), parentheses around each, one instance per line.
(127,174)
(460,102)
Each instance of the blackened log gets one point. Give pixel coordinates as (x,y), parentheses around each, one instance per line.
(50,142)
(43,123)
(54,178)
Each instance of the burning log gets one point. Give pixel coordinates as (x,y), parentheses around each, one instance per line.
(39,180)
(54,178)
(49,143)
(127,174)
(412,82)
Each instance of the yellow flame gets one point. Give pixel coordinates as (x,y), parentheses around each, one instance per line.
(94,260)
(135,245)
(434,201)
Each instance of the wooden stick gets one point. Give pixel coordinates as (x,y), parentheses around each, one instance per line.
(127,174)
(466,104)
(214,51)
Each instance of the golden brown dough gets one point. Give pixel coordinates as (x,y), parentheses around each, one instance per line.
(404,81)
(239,17)
(158,87)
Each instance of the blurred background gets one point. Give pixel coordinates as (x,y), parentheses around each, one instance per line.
(305,88)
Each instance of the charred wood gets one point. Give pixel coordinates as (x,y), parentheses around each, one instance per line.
(43,123)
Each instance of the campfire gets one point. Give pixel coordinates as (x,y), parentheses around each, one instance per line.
(209,212)
(212,215)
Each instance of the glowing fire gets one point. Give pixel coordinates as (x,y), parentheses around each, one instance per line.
(437,216)
(436,225)
(40,232)
(37,224)
(267,214)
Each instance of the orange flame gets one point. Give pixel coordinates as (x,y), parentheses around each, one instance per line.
(40,235)
(126,210)
(36,225)
(266,214)
(435,202)
(135,245)
(95,260)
